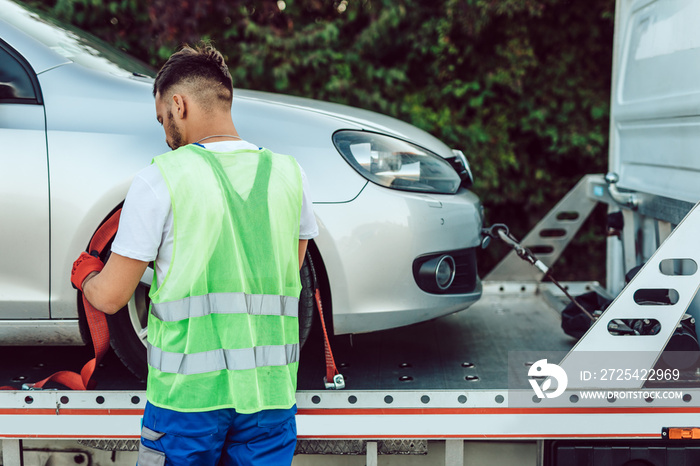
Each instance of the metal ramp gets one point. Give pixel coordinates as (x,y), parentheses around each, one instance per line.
(548,239)
(672,269)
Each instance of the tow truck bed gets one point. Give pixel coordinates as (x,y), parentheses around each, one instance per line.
(463,351)
(379,411)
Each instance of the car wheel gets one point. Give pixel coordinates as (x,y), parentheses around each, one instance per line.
(128,328)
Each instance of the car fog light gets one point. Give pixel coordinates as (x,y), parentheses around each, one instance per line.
(440,270)
(445,272)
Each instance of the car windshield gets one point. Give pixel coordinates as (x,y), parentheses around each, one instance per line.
(71,42)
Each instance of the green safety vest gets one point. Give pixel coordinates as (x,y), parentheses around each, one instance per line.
(223,329)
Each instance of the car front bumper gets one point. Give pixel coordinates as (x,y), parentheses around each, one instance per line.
(369,246)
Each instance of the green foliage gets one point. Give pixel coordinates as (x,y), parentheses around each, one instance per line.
(521,86)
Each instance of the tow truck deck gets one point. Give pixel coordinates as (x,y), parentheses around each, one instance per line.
(447,379)
(441,379)
(462,351)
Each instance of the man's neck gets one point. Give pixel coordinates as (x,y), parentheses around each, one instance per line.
(214,138)
(223,129)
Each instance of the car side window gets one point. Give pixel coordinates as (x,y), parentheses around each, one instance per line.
(16,84)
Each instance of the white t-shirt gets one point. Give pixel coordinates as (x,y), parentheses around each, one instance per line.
(146,224)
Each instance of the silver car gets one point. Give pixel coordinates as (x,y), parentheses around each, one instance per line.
(398,226)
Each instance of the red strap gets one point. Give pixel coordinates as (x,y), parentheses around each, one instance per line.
(97,321)
(331,369)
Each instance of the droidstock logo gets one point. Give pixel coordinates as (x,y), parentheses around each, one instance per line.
(550,371)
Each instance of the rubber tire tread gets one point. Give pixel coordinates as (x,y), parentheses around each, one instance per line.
(306,303)
(126,344)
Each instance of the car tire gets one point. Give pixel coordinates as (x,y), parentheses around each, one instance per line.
(306,301)
(128,328)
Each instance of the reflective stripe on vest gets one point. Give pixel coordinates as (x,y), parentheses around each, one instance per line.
(217,360)
(226,303)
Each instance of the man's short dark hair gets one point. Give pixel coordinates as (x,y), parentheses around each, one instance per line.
(202,68)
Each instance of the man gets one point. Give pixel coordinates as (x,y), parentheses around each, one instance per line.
(227,224)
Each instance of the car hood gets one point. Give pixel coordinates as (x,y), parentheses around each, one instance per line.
(354,118)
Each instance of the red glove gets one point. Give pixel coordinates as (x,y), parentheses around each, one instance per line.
(82,267)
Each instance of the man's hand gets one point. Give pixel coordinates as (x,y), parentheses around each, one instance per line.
(82,267)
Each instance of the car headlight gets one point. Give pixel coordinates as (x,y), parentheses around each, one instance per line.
(396,164)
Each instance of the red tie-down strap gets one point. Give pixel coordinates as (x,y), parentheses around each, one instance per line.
(97,322)
(333,379)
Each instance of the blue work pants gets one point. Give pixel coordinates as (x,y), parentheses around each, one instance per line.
(217,438)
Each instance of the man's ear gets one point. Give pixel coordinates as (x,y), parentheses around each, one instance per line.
(180,106)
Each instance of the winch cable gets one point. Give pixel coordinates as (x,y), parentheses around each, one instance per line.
(97,322)
(500,231)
